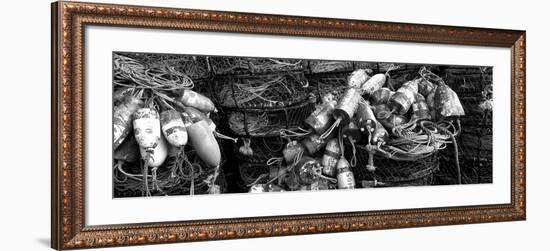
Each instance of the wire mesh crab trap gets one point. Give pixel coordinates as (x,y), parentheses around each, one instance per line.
(324,66)
(262,149)
(196,67)
(474,87)
(168,179)
(475,145)
(261,91)
(365,65)
(269,122)
(248,65)
(324,83)
(392,172)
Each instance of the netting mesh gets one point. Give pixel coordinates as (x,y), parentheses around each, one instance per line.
(393,172)
(324,83)
(261,91)
(246,65)
(265,123)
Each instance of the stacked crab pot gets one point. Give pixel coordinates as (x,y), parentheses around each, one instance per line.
(261,99)
(164,139)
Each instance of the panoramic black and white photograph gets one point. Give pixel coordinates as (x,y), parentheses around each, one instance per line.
(207,124)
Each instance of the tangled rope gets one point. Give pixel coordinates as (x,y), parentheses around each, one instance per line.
(255,65)
(417,140)
(268,90)
(328,66)
(161,77)
(182,176)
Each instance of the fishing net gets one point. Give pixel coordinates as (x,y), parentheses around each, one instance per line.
(166,180)
(247,65)
(269,122)
(261,91)
(263,149)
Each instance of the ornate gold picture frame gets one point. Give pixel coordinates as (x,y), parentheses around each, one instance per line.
(69,230)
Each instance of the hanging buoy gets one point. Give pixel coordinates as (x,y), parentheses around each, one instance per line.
(245,149)
(321,119)
(365,117)
(401,101)
(351,132)
(173,128)
(345,177)
(194,114)
(381,96)
(420,110)
(156,156)
(347,106)
(148,136)
(344,111)
(313,143)
(291,151)
(122,119)
(204,143)
(387,118)
(305,169)
(330,158)
(446,102)
(357,78)
(374,83)
(197,116)
(196,100)
(147,127)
